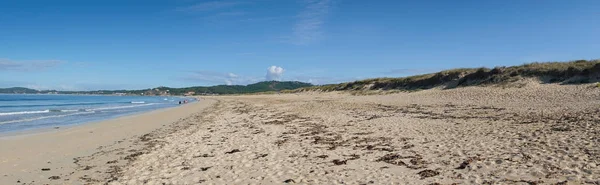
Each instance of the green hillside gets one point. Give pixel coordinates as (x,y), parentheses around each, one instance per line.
(219,89)
(18,90)
(572,72)
(240,89)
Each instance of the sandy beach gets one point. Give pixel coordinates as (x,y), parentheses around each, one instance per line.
(537,134)
(52,156)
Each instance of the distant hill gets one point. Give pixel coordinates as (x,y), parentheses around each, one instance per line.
(572,72)
(219,89)
(18,90)
(240,89)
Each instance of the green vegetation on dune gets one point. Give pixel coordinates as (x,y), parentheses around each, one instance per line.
(580,71)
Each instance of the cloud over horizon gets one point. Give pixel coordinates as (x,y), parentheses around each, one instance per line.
(213,77)
(274,73)
(228,78)
(36,65)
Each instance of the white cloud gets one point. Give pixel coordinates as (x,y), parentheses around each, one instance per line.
(212,78)
(274,73)
(36,65)
(210,6)
(308,27)
(37,87)
(320,80)
(53,87)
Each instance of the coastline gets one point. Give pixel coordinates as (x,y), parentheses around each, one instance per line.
(23,118)
(28,132)
(35,155)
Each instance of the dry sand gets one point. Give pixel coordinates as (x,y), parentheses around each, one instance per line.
(538,134)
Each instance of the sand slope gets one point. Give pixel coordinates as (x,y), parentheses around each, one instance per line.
(540,134)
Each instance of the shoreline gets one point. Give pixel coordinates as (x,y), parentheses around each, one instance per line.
(30,131)
(34,156)
(34,131)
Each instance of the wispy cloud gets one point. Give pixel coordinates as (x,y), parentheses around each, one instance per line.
(321,80)
(213,77)
(221,17)
(319,76)
(36,65)
(210,6)
(230,13)
(61,87)
(266,19)
(308,27)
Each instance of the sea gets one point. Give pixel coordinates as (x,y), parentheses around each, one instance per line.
(20,112)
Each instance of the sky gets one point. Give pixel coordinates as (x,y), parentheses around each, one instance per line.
(136,44)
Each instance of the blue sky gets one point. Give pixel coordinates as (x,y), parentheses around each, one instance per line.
(121,44)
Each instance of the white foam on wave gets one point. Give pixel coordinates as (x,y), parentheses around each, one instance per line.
(121,107)
(138,102)
(23,112)
(45,117)
(77,112)
(74,110)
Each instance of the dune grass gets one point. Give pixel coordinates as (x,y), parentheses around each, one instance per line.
(571,72)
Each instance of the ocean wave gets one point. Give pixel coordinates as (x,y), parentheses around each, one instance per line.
(23,112)
(44,117)
(40,112)
(121,107)
(60,105)
(72,110)
(138,102)
(25,99)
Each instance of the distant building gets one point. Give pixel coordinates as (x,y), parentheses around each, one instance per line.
(190,93)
